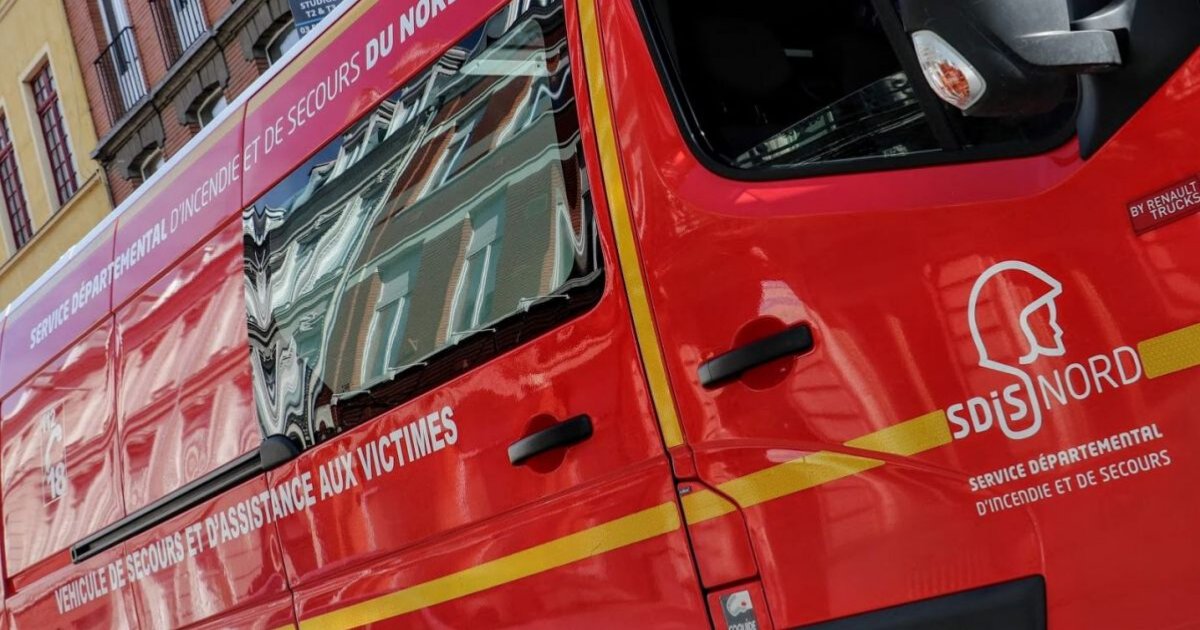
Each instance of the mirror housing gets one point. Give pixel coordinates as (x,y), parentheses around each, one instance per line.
(1009,57)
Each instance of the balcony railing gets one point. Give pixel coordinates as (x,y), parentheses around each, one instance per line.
(120,72)
(179,23)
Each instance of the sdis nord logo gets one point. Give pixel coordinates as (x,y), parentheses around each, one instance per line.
(1018,409)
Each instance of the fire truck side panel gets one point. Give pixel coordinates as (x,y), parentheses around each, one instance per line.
(187,203)
(185,400)
(61,482)
(457,535)
(990,378)
(212,572)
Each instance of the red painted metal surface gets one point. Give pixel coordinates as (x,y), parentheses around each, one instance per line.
(210,571)
(185,402)
(60,481)
(146,377)
(56,314)
(881,265)
(722,547)
(465,505)
(190,201)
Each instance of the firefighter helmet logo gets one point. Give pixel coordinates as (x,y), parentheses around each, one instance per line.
(739,611)
(738,603)
(1033,292)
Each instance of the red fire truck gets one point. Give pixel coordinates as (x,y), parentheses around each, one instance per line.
(638,313)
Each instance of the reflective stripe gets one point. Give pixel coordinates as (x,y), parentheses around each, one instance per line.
(1172,352)
(631,269)
(799,474)
(703,505)
(777,481)
(644,525)
(908,438)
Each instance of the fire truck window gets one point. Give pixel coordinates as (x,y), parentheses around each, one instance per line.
(443,228)
(778,84)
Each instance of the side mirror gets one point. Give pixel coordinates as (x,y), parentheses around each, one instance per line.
(1008,57)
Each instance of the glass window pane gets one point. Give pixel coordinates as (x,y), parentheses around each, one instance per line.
(282,41)
(770,85)
(382,328)
(436,248)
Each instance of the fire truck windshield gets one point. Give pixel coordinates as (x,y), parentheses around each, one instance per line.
(815,83)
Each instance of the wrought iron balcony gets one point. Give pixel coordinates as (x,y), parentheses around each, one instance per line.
(120,73)
(179,23)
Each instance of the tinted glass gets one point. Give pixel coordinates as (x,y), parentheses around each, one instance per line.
(446,226)
(775,84)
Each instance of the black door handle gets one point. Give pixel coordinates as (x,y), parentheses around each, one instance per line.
(564,433)
(717,370)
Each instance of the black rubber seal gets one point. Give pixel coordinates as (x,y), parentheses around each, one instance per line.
(274,451)
(1016,605)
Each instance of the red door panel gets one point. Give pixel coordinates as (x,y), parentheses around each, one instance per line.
(465,505)
(61,482)
(74,596)
(851,462)
(216,565)
(185,405)
(407,511)
(614,550)
(185,411)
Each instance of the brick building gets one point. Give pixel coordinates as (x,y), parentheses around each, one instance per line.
(51,192)
(157,71)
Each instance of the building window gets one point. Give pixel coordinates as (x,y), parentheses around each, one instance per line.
(384,347)
(118,65)
(477,281)
(189,21)
(10,186)
(210,106)
(279,42)
(149,164)
(54,134)
(180,24)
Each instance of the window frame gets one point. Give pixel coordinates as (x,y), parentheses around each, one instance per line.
(399,269)
(486,219)
(353,403)
(448,161)
(280,33)
(154,154)
(20,235)
(48,109)
(188,22)
(210,98)
(690,132)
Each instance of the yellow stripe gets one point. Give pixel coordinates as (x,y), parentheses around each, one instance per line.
(703,505)
(908,438)
(799,474)
(631,270)
(636,527)
(1172,352)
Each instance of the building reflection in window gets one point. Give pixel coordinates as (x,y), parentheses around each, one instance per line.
(455,212)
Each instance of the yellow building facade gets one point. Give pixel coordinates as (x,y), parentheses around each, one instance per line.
(46,137)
